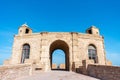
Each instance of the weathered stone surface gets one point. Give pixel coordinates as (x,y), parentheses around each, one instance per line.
(62,66)
(54,66)
(57,75)
(14,71)
(75,45)
(104,72)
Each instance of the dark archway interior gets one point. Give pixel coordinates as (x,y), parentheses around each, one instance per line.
(59,44)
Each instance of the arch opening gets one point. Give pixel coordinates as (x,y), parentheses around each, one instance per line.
(60,45)
(58,59)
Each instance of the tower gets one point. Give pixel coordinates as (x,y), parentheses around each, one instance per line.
(93,30)
(24,30)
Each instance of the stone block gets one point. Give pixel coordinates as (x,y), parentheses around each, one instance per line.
(62,66)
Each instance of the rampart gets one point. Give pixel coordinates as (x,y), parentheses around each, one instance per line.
(104,72)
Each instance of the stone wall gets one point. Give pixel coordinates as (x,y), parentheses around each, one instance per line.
(62,66)
(104,72)
(54,66)
(14,71)
(42,45)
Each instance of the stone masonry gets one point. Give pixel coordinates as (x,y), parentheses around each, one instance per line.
(75,45)
(104,72)
(12,72)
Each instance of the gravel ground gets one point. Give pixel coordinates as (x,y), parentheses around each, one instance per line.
(57,75)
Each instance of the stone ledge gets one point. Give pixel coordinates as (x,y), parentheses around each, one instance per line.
(4,67)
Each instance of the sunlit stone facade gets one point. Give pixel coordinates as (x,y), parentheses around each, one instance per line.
(77,48)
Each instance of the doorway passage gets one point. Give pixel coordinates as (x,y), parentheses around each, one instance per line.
(59,55)
(58,59)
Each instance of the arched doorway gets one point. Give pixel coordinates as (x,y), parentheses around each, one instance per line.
(59,44)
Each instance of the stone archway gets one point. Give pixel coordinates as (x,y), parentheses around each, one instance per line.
(59,44)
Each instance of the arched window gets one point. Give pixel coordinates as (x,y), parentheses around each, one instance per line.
(92,53)
(25,52)
(27,31)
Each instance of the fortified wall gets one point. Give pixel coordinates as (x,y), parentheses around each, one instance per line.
(84,53)
(37,48)
(104,72)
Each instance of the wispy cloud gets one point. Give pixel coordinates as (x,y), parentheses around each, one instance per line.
(7,36)
(5,50)
(6,33)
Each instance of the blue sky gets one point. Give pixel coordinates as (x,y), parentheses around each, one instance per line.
(61,16)
(58,57)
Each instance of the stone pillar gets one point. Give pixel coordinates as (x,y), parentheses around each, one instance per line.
(45,51)
(74,50)
(85,65)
